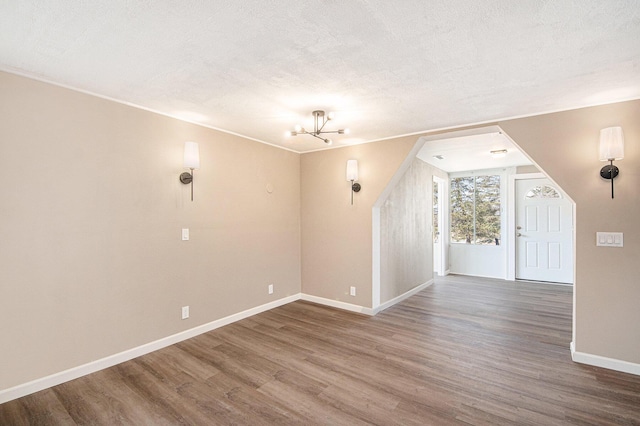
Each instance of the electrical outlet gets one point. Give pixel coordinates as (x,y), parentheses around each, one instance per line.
(185,234)
(185,312)
(270,288)
(352,291)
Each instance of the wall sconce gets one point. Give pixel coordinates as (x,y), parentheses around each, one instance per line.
(611,148)
(352,176)
(191,162)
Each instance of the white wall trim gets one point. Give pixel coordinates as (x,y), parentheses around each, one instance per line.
(375,256)
(443,226)
(337,304)
(604,362)
(402,297)
(100,364)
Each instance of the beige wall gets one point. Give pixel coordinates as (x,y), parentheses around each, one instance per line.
(406,239)
(336,236)
(565,146)
(527,169)
(91,260)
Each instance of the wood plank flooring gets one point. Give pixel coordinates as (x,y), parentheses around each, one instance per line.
(463,351)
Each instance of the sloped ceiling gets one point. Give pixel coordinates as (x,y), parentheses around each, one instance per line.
(257,68)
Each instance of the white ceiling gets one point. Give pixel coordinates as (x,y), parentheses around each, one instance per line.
(257,68)
(467,153)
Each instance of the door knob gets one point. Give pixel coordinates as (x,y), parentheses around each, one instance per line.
(518,235)
(518,227)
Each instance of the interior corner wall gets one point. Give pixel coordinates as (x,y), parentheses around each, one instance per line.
(406,234)
(565,146)
(91,257)
(336,236)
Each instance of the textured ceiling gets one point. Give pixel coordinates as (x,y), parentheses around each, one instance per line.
(257,68)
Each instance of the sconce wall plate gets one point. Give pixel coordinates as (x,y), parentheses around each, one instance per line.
(609,171)
(186,178)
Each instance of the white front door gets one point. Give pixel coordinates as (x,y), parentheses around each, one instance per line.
(544,232)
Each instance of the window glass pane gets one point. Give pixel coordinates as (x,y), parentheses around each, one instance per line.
(462,194)
(487,210)
(475,210)
(542,192)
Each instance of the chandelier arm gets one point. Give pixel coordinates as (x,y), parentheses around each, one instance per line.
(316,136)
(324,122)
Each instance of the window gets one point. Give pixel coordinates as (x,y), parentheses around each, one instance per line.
(475,210)
(542,192)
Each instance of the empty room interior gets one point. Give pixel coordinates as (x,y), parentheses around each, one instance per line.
(318,212)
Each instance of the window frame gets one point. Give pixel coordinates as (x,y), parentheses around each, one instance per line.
(503,174)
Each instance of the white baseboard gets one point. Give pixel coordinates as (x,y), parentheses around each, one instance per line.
(91,367)
(475,275)
(400,298)
(337,304)
(604,362)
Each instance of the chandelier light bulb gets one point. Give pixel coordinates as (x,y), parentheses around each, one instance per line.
(328,141)
(297,128)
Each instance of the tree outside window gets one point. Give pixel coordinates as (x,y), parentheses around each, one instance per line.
(475,210)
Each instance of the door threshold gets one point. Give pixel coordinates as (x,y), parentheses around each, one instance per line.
(543,282)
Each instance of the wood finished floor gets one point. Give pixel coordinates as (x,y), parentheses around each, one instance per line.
(463,351)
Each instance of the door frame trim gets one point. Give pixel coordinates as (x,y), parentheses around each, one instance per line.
(443,212)
(511,220)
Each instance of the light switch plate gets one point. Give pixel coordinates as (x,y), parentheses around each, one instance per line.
(185,234)
(609,239)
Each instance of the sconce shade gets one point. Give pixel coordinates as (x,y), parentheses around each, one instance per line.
(191,155)
(611,144)
(352,170)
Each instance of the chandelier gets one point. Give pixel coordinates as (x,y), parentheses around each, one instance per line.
(320,119)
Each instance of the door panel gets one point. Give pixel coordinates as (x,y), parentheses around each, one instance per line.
(532,219)
(544,232)
(554,256)
(554,219)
